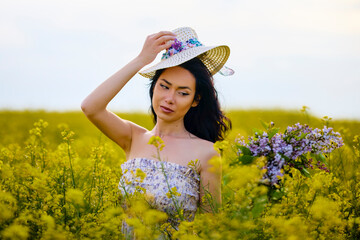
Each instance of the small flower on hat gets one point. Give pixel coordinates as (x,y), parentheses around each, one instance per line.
(179,46)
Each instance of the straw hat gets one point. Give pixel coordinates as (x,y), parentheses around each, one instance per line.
(186,47)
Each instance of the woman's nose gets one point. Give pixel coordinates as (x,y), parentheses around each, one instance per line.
(169,98)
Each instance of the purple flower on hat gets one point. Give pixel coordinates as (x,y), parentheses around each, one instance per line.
(179,46)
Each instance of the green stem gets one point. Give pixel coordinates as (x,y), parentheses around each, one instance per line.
(311,203)
(100,200)
(92,184)
(64,194)
(171,194)
(71,168)
(209,199)
(168,185)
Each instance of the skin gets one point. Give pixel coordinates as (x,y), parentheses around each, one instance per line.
(173,96)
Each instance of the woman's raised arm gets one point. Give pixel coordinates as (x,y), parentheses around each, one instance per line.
(94,105)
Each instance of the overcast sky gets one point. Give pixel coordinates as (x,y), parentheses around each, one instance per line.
(285,54)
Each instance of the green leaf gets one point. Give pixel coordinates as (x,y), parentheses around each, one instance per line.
(276,194)
(302,136)
(259,206)
(258,131)
(264,124)
(246,159)
(272,132)
(321,158)
(226,179)
(303,158)
(305,172)
(245,150)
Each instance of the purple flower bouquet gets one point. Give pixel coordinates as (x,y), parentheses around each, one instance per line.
(296,148)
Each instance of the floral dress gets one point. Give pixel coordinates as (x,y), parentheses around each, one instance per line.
(160,179)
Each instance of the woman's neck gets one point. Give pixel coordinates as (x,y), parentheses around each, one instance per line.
(174,129)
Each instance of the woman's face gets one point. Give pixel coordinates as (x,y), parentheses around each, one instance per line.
(174,94)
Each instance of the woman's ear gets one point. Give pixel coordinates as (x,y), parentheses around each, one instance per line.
(196,101)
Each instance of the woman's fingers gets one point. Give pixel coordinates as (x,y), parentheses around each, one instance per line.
(165,41)
(163,33)
(155,43)
(160,39)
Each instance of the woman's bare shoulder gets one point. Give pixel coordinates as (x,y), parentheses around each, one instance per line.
(137,129)
(205,152)
(206,149)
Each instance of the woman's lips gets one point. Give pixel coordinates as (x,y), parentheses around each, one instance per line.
(166,110)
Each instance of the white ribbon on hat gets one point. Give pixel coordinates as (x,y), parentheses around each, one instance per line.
(225,71)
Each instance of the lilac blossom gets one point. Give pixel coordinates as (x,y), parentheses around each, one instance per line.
(291,148)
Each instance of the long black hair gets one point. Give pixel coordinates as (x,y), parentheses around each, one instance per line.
(206,120)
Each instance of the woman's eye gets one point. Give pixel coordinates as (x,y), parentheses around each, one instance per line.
(183,93)
(163,86)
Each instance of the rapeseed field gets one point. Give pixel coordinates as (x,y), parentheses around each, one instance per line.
(59,179)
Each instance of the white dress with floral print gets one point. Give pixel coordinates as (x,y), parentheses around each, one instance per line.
(161,176)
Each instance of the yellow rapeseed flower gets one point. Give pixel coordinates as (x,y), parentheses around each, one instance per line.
(152,216)
(140,174)
(149,197)
(157,142)
(7,206)
(75,196)
(219,146)
(15,231)
(195,165)
(173,192)
(216,165)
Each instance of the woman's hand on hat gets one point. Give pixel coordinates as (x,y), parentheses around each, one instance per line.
(154,44)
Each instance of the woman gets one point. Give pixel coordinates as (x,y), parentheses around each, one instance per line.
(187,116)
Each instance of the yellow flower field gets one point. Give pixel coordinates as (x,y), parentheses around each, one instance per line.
(59,179)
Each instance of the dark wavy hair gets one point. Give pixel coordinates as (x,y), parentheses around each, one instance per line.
(206,120)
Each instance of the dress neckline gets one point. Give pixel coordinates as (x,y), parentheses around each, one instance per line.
(154,160)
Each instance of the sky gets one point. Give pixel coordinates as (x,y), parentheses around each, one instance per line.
(286,53)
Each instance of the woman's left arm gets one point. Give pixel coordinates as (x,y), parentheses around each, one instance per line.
(210,183)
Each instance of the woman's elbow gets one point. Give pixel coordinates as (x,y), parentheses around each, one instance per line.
(85,107)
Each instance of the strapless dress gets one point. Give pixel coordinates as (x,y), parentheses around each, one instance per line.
(161,176)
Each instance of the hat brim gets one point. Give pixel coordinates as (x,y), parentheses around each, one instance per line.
(213,57)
